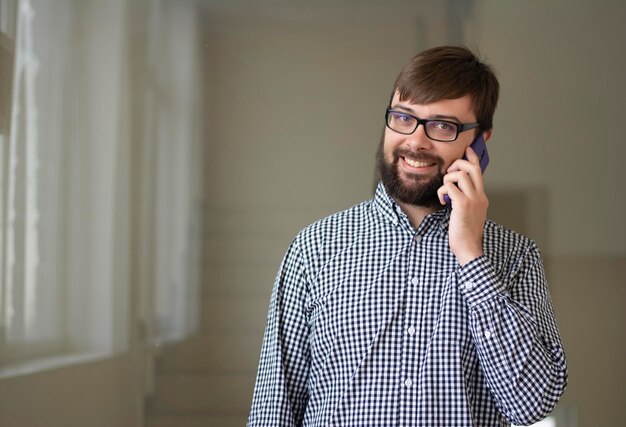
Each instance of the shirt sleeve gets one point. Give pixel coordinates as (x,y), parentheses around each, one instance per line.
(280,393)
(516,337)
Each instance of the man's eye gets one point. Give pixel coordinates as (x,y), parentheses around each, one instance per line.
(444,126)
(403,118)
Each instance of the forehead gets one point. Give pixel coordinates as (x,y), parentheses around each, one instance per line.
(459,107)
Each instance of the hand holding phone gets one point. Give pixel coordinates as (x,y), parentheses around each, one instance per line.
(480,148)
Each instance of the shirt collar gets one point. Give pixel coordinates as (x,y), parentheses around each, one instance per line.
(392,212)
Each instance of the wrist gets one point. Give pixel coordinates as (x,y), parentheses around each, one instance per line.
(467,257)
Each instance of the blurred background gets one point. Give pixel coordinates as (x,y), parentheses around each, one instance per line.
(158,156)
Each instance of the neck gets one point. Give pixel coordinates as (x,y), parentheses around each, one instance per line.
(416,214)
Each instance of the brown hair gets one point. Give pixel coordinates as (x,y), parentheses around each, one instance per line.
(450,72)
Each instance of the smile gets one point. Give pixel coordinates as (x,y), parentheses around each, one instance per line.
(417,163)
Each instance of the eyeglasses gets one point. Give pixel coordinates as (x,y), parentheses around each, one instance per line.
(437,130)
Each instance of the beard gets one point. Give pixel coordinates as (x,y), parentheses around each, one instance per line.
(415,189)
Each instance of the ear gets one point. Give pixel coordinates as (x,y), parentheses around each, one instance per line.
(487,134)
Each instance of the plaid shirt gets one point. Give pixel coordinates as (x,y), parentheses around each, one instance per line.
(374,323)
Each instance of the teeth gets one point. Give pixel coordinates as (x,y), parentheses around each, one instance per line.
(416,164)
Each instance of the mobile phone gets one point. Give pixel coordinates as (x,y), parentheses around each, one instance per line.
(480,148)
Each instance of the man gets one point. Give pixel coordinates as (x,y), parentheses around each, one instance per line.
(406,310)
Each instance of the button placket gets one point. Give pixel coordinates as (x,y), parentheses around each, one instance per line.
(410,350)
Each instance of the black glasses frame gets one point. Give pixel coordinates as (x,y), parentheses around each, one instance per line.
(460,127)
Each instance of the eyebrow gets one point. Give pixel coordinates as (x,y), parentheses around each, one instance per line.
(435,117)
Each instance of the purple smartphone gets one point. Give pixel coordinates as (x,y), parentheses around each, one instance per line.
(480,148)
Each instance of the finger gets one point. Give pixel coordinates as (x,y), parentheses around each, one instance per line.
(467,185)
(450,177)
(458,177)
(454,166)
(471,166)
(451,190)
(463,180)
(471,155)
(447,190)
(454,176)
(441,193)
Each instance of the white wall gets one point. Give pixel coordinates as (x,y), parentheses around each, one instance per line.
(94,394)
(558,127)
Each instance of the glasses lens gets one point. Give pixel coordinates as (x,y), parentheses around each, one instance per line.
(401,122)
(440,130)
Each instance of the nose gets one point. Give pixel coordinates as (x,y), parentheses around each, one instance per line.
(418,139)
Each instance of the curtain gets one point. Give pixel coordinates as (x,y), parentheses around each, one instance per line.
(101,201)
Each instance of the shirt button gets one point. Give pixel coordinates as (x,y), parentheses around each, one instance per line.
(417,238)
(469,285)
(408,382)
(487,334)
(415,281)
(411,330)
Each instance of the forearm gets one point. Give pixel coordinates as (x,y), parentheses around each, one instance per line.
(280,392)
(272,403)
(518,346)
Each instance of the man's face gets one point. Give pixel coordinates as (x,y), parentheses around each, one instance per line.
(412,166)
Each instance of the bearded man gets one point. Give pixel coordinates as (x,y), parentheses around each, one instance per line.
(414,309)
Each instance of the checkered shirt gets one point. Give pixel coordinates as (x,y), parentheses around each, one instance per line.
(374,323)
